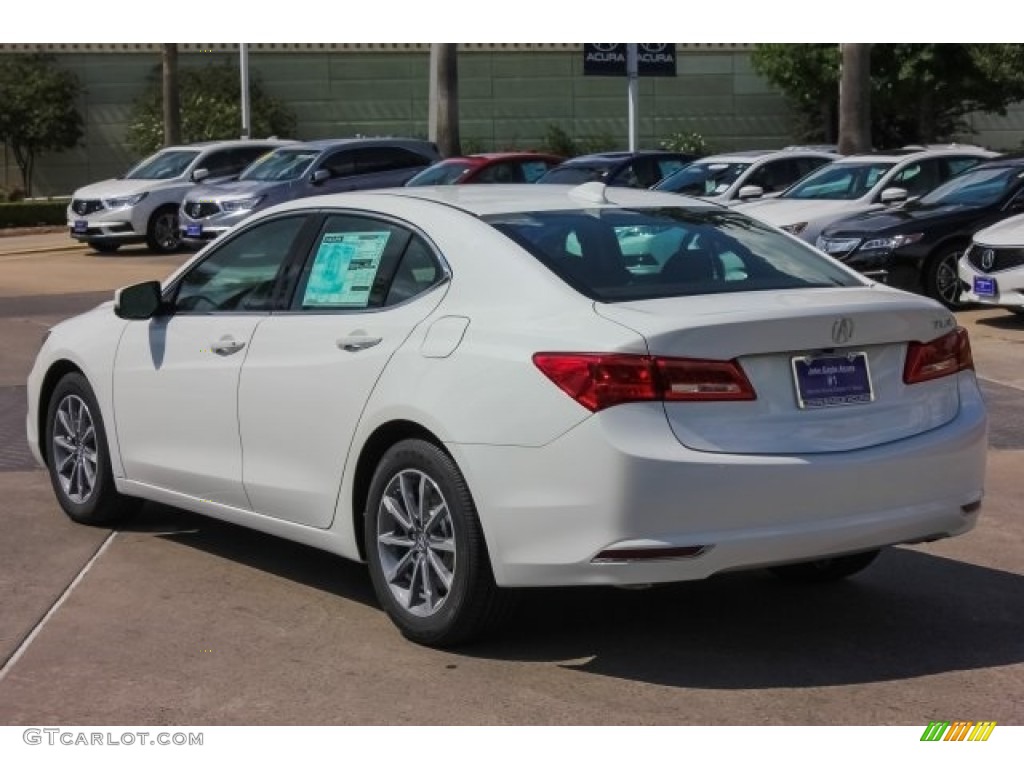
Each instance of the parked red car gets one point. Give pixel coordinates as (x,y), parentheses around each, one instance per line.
(487,168)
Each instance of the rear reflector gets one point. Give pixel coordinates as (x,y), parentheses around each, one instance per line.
(945,356)
(648,553)
(597,381)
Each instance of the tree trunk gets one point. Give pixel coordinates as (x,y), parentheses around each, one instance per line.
(444,72)
(24,158)
(172,103)
(855,99)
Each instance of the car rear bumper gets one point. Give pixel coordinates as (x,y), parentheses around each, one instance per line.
(620,481)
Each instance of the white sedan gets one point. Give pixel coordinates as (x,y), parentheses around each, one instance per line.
(992,269)
(473,389)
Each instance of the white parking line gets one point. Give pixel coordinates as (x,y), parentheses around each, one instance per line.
(53,608)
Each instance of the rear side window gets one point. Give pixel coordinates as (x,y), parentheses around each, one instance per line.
(378,159)
(633,254)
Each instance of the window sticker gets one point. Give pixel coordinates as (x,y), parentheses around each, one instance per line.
(345,267)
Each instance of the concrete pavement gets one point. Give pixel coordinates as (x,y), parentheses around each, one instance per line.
(182,619)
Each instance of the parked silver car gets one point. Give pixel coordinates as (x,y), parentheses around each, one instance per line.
(142,206)
(301,170)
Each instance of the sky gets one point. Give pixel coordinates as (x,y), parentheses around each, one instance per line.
(538,21)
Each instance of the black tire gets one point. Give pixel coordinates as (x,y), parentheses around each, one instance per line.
(102,504)
(826,570)
(162,234)
(103,246)
(471,603)
(941,280)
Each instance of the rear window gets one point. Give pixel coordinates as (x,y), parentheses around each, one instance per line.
(621,254)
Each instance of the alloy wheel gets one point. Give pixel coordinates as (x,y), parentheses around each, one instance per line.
(75,449)
(416,542)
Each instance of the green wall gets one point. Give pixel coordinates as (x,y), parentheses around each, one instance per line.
(507,99)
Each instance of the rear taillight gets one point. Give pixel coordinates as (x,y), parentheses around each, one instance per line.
(598,381)
(946,355)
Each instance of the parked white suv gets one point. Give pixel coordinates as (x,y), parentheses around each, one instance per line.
(859,183)
(736,177)
(142,206)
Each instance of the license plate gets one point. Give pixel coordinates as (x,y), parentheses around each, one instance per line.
(985,286)
(193,230)
(81,226)
(825,382)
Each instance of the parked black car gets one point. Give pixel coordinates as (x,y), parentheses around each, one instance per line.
(619,169)
(917,246)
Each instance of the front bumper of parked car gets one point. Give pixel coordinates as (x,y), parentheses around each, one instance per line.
(101,224)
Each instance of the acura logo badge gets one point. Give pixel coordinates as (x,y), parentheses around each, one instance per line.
(842,330)
(988,259)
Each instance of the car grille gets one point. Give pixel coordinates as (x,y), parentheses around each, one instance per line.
(837,247)
(85,207)
(995,259)
(201,210)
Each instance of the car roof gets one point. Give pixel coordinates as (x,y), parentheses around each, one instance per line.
(485,199)
(227,143)
(908,153)
(748,155)
(484,158)
(365,141)
(610,158)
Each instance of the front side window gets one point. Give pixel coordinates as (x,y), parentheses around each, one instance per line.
(240,275)
(163,165)
(574,174)
(362,263)
(534,169)
(840,181)
(499,173)
(634,254)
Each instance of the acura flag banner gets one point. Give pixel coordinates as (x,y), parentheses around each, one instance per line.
(653,59)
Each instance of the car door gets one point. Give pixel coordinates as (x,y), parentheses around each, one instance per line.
(365,286)
(176,375)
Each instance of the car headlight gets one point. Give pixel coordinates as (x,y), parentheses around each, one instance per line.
(123,202)
(795,229)
(242,204)
(891,243)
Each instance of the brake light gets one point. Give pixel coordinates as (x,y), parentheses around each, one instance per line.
(597,381)
(946,355)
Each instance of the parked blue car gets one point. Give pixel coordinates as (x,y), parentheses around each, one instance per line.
(300,170)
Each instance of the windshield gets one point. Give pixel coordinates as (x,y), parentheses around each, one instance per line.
(839,181)
(448,172)
(280,165)
(633,254)
(163,165)
(976,188)
(703,179)
(574,174)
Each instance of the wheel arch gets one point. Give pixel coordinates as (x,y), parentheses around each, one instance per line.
(57,371)
(373,450)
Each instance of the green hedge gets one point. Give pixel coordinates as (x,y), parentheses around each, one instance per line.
(33,213)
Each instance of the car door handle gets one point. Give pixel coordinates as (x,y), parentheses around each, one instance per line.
(358,343)
(226,346)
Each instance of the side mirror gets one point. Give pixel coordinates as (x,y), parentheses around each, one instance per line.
(138,302)
(200,173)
(750,192)
(320,175)
(893,195)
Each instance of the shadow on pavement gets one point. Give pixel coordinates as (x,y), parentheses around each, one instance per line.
(910,614)
(1009,321)
(296,562)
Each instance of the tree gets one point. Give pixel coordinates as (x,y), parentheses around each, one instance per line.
(210,109)
(855,99)
(920,92)
(37,109)
(171,94)
(444,74)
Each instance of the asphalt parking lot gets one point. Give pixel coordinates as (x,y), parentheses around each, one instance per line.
(179,619)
